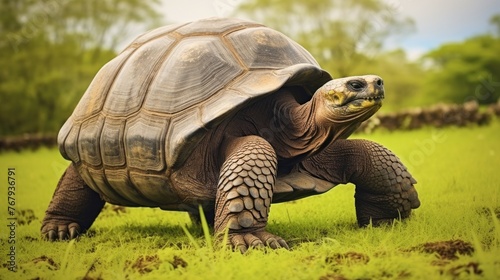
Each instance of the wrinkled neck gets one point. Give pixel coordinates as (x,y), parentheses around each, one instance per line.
(300,135)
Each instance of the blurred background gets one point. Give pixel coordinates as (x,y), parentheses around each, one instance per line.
(428,52)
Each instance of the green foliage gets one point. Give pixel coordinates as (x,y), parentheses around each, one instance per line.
(347,38)
(495,21)
(460,201)
(341,35)
(50,52)
(464,71)
(402,78)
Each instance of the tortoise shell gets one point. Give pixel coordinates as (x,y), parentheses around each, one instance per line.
(147,108)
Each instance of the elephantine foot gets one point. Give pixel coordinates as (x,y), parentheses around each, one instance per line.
(257,239)
(53,230)
(73,208)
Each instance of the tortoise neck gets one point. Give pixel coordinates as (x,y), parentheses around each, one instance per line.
(298,132)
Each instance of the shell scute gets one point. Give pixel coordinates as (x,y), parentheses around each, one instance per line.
(265,48)
(68,139)
(127,93)
(88,138)
(213,26)
(112,143)
(93,99)
(144,138)
(162,31)
(154,188)
(195,69)
(120,182)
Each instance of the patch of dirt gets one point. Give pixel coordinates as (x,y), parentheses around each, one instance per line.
(86,277)
(446,250)
(30,238)
(91,249)
(487,212)
(471,268)
(348,258)
(178,262)
(49,262)
(25,217)
(145,264)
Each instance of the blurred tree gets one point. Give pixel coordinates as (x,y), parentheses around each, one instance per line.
(50,50)
(341,35)
(495,21)
(468,70)
(346,38)
(402,78)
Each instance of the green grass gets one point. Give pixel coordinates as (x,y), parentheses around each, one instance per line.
(458,182)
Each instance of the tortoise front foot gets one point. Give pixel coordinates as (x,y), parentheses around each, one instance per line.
(256,239)
(245,192)
(386,190)
(54,230)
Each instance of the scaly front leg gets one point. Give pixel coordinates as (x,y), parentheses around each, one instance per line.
(384,187)
(244,193)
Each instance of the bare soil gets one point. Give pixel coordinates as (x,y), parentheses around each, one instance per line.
(446,250)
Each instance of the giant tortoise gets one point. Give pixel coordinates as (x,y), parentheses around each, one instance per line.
(225,114)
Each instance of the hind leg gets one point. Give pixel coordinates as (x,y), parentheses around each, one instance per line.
(73,208)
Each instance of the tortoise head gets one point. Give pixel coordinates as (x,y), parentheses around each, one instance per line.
(351,99)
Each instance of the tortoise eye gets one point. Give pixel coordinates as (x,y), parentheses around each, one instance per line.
(356,85)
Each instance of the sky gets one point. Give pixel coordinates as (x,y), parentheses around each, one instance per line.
(436,21)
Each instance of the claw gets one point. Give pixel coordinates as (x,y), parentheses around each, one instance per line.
(242,248)
(273,243)
(259,239)
(53,231)
(253,241)
(283,244)
(51,235)
(73,232)
(238,242)
(258,244)
(63,235)
(271,240)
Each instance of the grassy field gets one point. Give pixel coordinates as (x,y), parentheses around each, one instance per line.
(455,234)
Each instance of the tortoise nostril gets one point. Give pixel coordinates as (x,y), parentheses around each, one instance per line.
(379,82)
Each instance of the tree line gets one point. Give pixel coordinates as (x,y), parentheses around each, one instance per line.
(350,37)
(51,49)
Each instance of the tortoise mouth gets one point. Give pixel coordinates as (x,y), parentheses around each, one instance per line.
(378,97)
(367,101)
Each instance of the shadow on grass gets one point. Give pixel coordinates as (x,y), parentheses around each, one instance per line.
(158,235)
